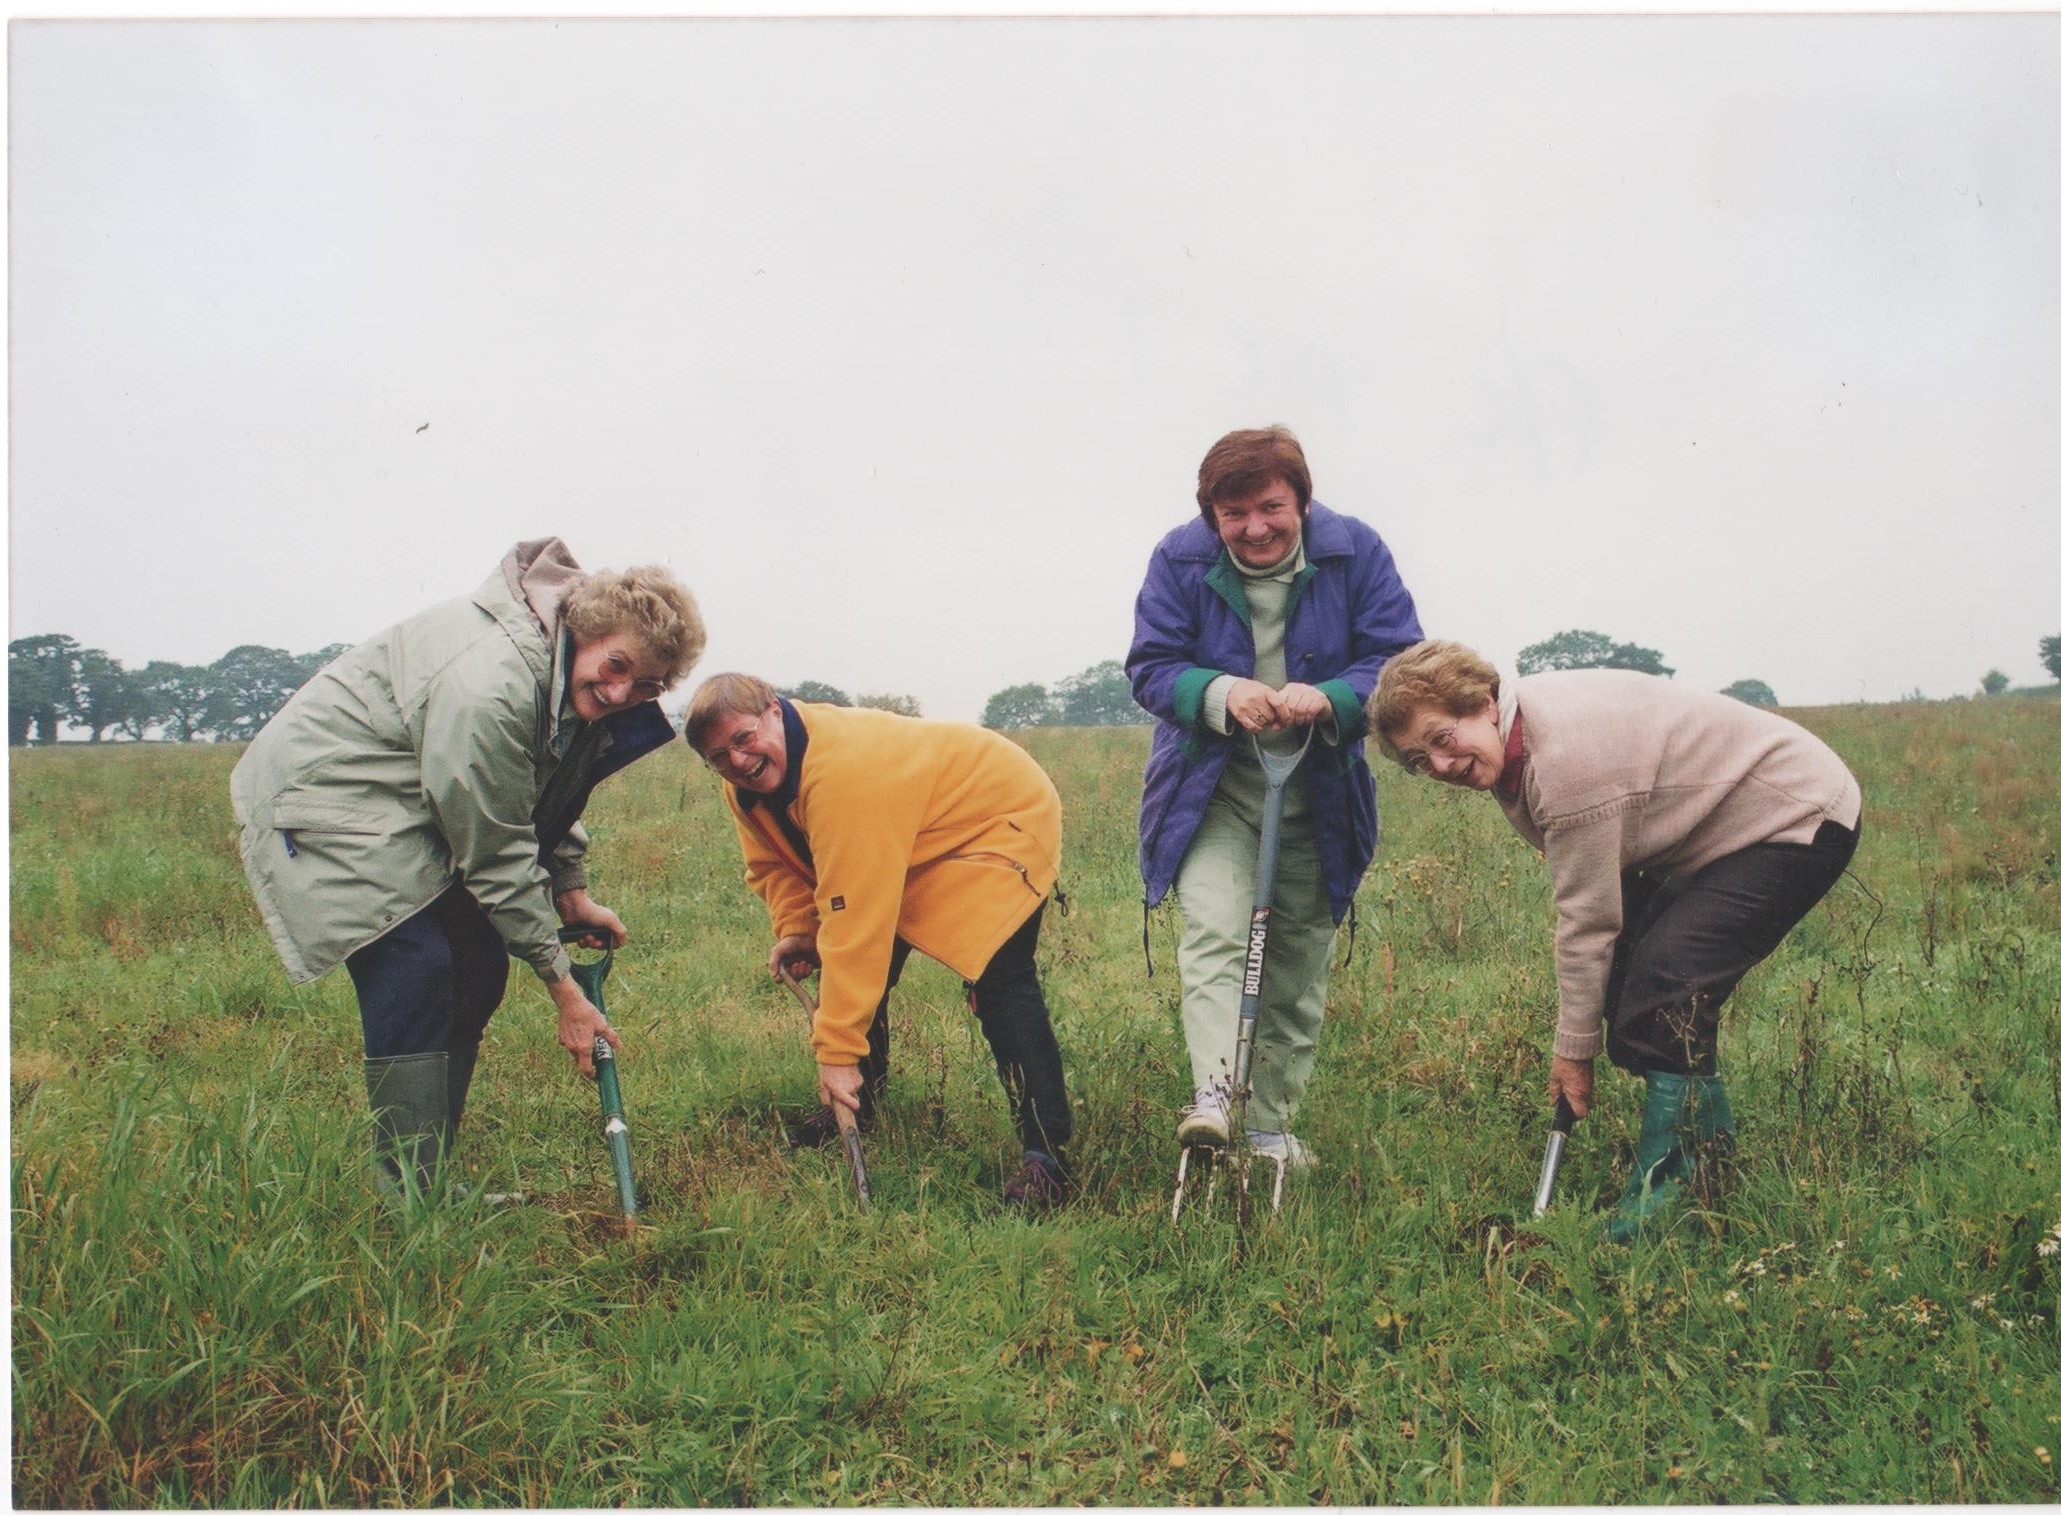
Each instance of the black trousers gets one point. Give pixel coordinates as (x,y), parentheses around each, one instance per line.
(1010,1006)
(432,982)
(1686,944)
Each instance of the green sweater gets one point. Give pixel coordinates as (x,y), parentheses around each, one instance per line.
(1243,785)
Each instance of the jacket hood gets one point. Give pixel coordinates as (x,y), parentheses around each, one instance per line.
(525,595)
(539,575)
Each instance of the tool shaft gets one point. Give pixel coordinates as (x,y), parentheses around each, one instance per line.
(615,1127)
(1556,1146)
(1267,867)
(848,1132)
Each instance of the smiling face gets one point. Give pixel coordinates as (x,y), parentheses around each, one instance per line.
(1465,751)
(1262,528)
(749,750)
(612,673)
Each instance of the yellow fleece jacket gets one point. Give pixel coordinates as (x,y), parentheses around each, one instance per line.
(942,834)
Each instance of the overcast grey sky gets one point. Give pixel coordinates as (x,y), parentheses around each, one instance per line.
(1739,337)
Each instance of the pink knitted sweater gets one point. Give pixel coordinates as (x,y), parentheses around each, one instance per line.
(1628,770)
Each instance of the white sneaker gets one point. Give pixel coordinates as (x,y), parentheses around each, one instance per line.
(1207,1122)
(1283,1149)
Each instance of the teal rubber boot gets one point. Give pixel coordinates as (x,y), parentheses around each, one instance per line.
(1686,1116)
(411,1120)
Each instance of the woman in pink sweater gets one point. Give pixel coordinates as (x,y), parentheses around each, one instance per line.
(1686,834)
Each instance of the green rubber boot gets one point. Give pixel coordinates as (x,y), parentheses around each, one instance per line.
(1685,1115)
(464,1058)
(411,1120)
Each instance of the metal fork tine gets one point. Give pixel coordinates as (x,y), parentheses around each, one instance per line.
(1214,1160)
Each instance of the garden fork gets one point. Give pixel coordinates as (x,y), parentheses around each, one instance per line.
(1278,767)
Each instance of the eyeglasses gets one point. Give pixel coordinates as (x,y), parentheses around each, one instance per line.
(615,668)
(1439,741)
(737,749)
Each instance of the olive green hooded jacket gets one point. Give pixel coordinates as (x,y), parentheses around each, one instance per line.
(417,759)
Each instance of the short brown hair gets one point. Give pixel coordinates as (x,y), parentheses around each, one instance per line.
(724,694)
(647,605)
(1453,679)
(1245,462)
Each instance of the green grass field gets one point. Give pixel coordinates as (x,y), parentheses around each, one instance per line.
(210,1307)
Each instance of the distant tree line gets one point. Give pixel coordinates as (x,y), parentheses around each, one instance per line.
(1753,692)
(1101,695)
(53,682)
(1996,682)
(1592,649)
(1096,696)
(1589,649)
(816,692)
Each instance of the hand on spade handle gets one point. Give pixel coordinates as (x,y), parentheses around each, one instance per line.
(582,1019)
(587,921)
(581,1023)
(794,956)
(1572,1079)
(838,1085)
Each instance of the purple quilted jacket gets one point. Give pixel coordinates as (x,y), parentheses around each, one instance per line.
(1348,613)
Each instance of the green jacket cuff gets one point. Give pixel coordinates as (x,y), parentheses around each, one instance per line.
(1188,696)
(1346,707)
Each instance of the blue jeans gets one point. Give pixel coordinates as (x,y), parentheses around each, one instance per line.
(433,982)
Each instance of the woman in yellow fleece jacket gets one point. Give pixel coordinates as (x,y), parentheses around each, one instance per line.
(868,834)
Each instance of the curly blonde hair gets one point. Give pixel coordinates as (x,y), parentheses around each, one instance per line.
(647,605)
(1451,678)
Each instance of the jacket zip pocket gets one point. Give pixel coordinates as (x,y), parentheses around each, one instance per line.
(1008,862)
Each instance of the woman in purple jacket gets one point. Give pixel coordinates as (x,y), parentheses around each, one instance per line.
(1266,614)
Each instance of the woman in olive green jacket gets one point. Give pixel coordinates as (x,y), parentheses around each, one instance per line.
(413,813)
